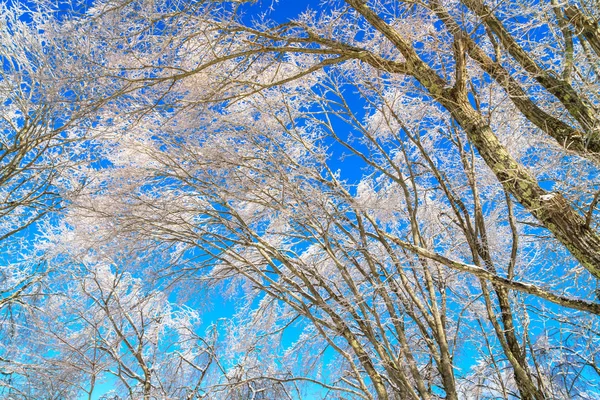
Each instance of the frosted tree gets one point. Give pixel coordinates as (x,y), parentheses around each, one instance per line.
(106,327)
(409,188)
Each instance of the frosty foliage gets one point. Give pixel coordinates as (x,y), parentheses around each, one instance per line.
(398,200)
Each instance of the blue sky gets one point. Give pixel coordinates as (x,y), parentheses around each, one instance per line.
(350,167)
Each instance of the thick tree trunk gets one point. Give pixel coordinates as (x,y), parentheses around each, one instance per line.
(551,209)
(588,28)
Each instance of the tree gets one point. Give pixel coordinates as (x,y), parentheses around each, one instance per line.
(446,256)
(44,136)
(109,326)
